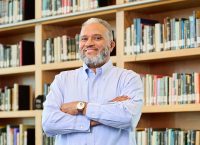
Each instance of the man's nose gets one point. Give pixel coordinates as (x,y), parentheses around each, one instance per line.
(89,42)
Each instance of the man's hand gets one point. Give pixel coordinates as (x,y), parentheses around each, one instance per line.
(93,123)
(120,98)
(70,108)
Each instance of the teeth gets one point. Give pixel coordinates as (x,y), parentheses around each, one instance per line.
(90,49)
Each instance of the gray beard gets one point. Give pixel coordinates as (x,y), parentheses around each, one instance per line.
(97,60)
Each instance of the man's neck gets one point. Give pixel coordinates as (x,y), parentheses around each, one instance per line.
(94,68)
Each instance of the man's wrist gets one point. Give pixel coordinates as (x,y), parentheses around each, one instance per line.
(85,108)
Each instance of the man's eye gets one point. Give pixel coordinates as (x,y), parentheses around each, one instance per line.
(84,39)
(97,38)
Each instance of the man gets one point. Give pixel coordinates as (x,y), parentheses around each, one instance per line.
(97,104)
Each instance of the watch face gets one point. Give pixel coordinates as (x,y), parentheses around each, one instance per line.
(80,105)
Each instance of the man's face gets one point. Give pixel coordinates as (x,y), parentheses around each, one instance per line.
(95,45)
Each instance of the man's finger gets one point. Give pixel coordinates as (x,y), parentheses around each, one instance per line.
(120,98)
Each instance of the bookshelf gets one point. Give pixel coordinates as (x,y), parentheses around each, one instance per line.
(120,15)
(171,108)
(18,70)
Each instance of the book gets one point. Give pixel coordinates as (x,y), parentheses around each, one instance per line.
(21,97)
(28,9)
(27,134)
(139,24)
(27,52)
(103,3)
(30,136)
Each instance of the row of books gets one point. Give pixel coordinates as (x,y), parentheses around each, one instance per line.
(146,35)
(12,11)
(169,136)
(56,7)
(22,53)
(61,48)
(180,88)
(17,135)
(15,98)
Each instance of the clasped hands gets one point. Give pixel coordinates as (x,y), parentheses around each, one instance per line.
(70,108)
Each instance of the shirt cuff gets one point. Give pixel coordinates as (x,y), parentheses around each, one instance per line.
(93,110)
(83,123)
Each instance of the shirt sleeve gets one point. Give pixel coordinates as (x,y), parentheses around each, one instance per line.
(125,114)
(54,121)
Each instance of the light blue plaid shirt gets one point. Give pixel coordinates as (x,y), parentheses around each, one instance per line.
(117,118)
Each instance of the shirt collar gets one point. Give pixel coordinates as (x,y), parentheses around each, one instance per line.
(102,70)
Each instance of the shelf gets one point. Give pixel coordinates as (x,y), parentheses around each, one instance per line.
(67,64)
(164,55)
(108,12)
(129,58)
(171,108)
(71,19)
(17,70)
(169,55)
(61,65)
(22,27)
(20,114)
(157,6)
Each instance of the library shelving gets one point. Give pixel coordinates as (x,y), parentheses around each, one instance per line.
(120,14)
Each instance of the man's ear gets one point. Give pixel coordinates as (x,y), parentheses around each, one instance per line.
(112,45)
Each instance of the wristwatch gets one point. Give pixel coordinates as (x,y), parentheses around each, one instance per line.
(80,106)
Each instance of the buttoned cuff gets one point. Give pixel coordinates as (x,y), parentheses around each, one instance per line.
(83,123)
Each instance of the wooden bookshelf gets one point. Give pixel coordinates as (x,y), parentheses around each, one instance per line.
(59,65)
(171,116)
(190,53)
(120,16)
(21,114)
(31,117)
(186,60)
(104,12)
(171,108)
(18,70)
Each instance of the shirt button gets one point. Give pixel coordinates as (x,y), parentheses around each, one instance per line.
(81,127)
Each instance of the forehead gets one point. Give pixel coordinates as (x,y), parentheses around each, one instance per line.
(94,28)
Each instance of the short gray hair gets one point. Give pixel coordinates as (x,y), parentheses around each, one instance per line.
(103,22)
